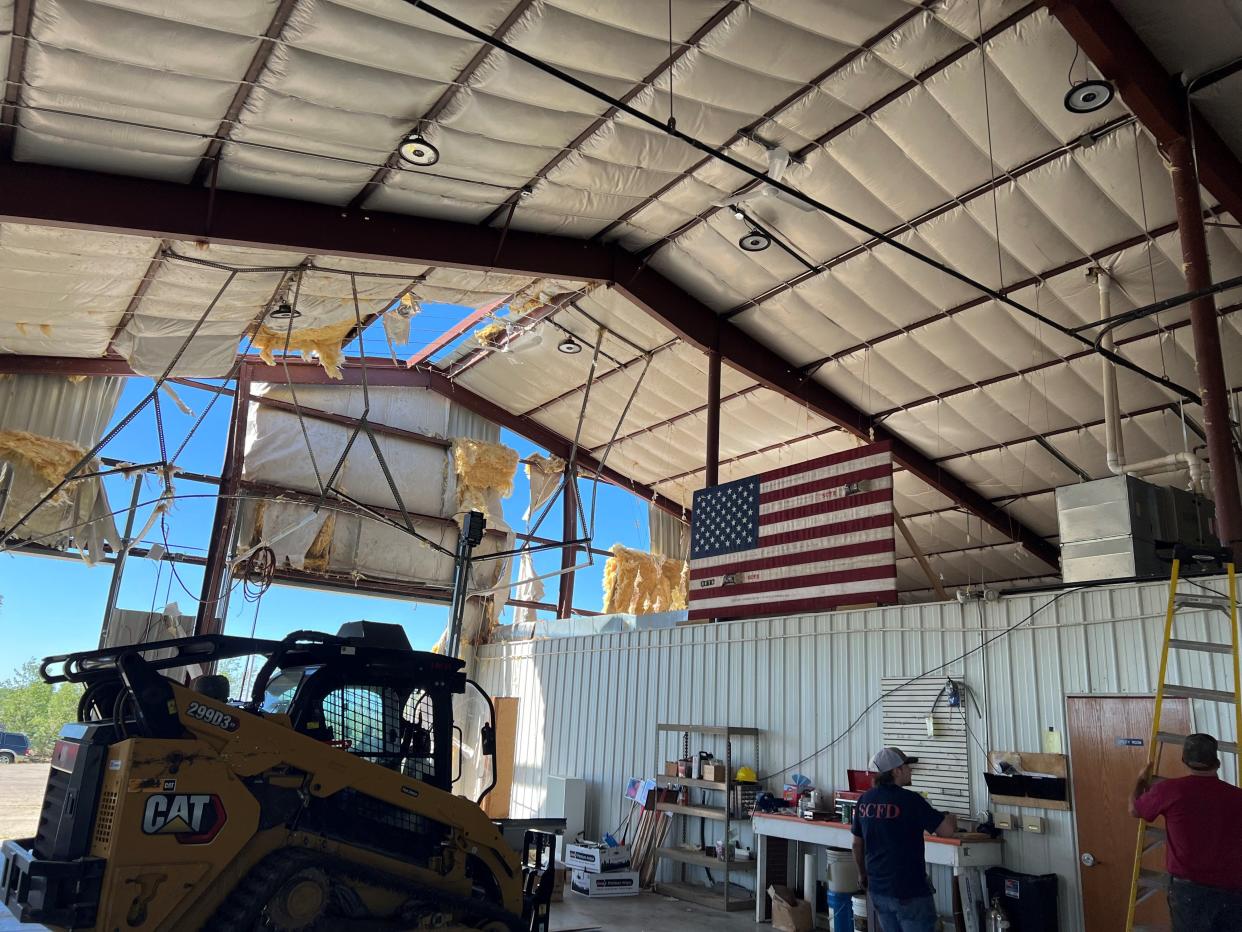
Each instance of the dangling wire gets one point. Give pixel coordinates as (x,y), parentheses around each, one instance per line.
(672,120)
(987,114)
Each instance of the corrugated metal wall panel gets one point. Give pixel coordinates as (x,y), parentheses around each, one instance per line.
(589,705)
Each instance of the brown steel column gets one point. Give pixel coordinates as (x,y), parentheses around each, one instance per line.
(713,418)
(569,555)
(1209,362)
(210,618)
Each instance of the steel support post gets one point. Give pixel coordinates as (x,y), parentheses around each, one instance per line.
(713,418)
(211,608)
(1209,361)
(114,587)
(569,555)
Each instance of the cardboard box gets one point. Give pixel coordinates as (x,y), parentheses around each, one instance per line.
(670,769)
(610,883)
(789,914)
(715,772)
(595,858)
(560,876)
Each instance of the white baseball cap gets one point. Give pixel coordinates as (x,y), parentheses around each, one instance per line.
(887,759)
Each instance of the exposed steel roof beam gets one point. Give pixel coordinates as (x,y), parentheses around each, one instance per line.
(393,163)
(209,164)
(69,197)
(1158,100)
(15,76)
(670,60)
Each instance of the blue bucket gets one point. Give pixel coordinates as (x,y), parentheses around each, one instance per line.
(842,910)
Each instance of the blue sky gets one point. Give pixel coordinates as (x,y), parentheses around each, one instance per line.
(55,606)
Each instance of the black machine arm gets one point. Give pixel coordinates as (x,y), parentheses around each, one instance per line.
(85,666)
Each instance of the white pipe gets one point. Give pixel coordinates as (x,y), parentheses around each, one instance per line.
(1114,441)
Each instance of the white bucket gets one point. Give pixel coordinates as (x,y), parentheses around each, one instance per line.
(859,906)
(842,871)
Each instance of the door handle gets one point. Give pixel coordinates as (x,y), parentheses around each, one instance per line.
(1088,859)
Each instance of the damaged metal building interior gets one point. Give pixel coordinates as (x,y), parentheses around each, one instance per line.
(512,464)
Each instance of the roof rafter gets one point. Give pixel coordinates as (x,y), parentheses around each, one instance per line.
(44,194)
(23,12)
(772,113)
(441,104)
(209,163)
(1157,99)
(865,114)
(711,23)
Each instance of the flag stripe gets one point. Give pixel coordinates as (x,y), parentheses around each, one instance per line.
(835,522)
(771,485)
(826,507)
(880,447)
(803,572)
(814,550)
(785,496)
(797,606)
(878,527)
(832,584)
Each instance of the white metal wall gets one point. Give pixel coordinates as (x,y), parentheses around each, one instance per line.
(589,705)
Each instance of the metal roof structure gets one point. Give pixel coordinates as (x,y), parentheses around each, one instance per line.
(150,151)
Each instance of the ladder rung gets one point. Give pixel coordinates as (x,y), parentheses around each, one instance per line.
(1168,737)
(1220,602)
(1208,647)
(1153,880)
(1155,838)
(1194,692)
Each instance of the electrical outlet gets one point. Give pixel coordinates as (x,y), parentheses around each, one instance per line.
(1033,824)
(1005,820)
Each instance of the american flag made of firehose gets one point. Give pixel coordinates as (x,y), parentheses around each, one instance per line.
(802,538)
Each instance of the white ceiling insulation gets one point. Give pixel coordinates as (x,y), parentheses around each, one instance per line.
(894,115)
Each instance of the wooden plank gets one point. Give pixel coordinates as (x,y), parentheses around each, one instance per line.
(701,812)
(710,861)
(496,805)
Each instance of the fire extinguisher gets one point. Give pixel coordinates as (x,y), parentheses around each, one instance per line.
(997,920)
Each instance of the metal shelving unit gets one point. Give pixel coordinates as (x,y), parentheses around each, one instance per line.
(728,899)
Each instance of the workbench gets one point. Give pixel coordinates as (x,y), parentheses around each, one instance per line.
(962,853)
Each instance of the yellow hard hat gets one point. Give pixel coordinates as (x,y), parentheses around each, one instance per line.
(746,775)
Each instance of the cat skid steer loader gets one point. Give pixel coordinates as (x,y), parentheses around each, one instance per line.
(324,802)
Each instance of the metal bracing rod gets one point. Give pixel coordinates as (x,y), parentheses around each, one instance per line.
(781,186)
(114,586)
(603,460)
(124,422)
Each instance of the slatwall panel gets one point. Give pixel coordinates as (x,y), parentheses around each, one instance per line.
(943,769)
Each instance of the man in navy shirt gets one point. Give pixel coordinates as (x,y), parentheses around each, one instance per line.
(889,822)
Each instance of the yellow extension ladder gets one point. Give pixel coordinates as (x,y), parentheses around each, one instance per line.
(1147,882)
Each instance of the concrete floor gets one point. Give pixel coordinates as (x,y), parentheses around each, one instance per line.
(646,912)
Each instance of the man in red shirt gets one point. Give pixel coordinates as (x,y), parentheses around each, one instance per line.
(1203,827)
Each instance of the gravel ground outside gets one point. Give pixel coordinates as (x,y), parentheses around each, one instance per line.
(21,793)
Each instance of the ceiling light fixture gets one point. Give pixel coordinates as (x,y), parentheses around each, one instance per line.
(525,192)
(284,311)
(1089,96)
(569,346)
(416,150)
(738,213)
(755,241)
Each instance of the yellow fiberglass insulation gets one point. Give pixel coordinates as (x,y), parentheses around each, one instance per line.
(490,335)
(319,553)
(325,342)
(482,467)
(639,583)
(50,459)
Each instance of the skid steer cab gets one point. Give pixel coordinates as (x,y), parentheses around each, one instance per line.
(324,801)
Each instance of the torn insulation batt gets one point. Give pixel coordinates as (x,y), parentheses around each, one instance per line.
(640,583)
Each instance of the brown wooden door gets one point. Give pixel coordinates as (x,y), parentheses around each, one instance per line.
(1103,769)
